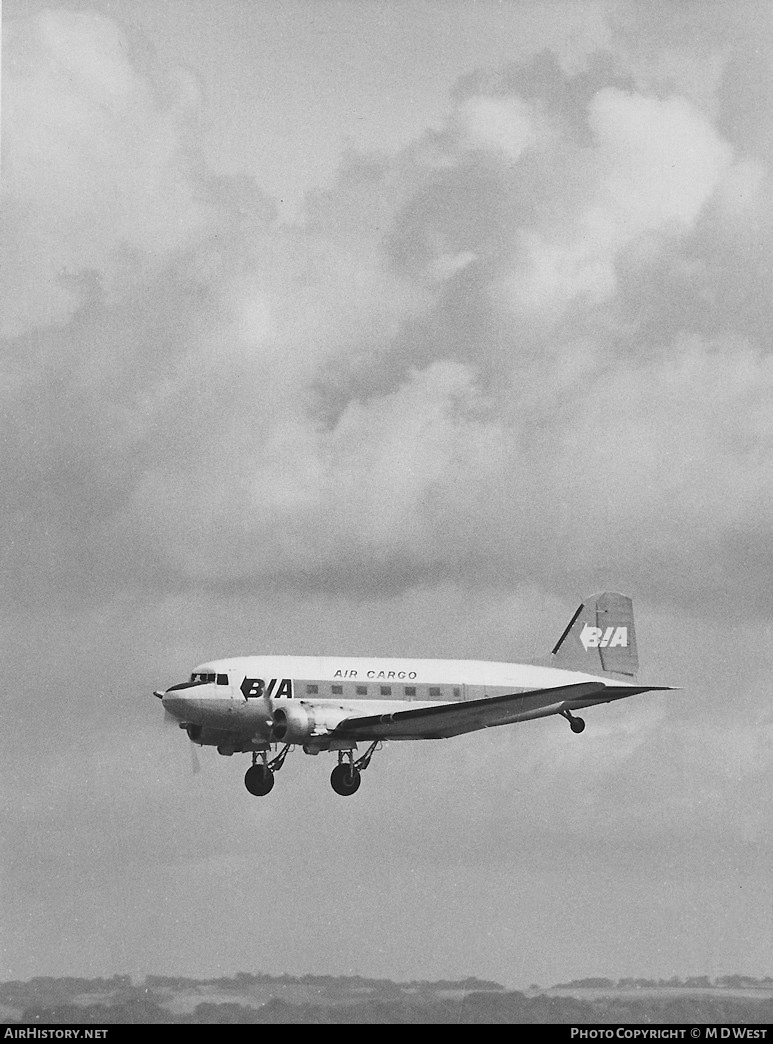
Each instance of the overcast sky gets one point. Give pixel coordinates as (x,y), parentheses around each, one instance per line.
(386,327)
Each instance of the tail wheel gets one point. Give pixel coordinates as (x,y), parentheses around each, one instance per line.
(345,779)
(259,779)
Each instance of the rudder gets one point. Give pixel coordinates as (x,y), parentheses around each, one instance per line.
(599,637)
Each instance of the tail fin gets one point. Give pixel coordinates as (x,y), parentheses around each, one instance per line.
(599,637)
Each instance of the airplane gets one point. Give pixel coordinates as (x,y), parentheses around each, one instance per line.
(254,704)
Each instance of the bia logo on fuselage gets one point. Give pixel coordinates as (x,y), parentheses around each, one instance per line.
(602,638)
(255,688)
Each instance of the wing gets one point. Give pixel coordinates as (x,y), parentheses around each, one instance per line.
(452,719)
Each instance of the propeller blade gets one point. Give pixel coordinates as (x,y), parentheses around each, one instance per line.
(269,705)
(195,763)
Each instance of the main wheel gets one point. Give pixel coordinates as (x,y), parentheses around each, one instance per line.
(259,779)
(345,779)
(577,725)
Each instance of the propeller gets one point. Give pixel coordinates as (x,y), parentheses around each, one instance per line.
(195,763)
(169,719)
(254,689)
(270,715)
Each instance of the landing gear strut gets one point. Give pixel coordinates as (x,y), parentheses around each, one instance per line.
(575,724)
(259,778)
(346,776)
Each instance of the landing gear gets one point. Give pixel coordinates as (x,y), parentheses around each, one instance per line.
(346,777)
(577,725)
(259,779)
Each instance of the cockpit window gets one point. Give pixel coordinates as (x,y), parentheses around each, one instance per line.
(200,678)
(222,679)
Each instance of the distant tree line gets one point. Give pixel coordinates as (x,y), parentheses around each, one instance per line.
(356,1000)
(478,1008)
(734,982)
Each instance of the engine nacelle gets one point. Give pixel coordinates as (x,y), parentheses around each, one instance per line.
(299,722)
(292,724)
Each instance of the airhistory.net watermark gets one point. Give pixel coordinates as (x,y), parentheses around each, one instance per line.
(49,1033)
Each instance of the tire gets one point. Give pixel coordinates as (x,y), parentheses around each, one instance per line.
(345,780)
(259,780)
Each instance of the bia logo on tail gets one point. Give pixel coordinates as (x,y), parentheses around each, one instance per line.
(596,637)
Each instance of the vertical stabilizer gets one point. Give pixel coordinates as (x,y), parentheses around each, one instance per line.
(599,637)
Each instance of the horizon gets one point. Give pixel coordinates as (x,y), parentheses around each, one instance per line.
(581,982)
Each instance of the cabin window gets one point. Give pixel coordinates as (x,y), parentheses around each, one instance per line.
(457,692)
(337,690)
(312,689)
(362,690)
(434,690)
(410,690)
(386,690)
(222,679)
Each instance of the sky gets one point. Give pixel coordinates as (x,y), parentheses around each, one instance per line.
(385,328)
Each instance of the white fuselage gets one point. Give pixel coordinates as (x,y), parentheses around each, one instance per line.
(240,694)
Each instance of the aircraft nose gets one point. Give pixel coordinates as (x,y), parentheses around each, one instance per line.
(173,702)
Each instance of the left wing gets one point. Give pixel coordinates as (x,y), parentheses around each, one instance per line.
(452,719)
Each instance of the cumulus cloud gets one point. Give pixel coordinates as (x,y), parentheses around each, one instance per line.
(503,124)
(656,163)
(490,352)
(97,172)
(306,498)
